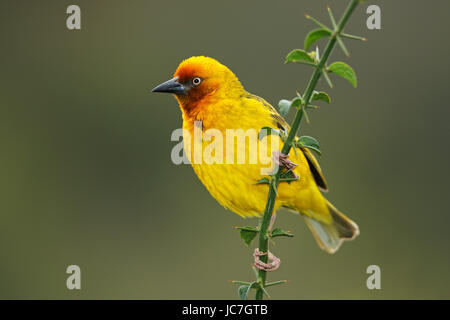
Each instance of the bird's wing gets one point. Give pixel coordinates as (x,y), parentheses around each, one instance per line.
(315,169)
(278,120)
(281,123)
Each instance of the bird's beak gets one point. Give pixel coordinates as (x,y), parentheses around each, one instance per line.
(171,86)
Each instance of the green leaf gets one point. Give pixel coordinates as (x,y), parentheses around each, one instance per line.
(288,174)
(284,106)
(277,232)
(245,289)
(263,181)
(298,55)
(315,35)
(320,96)
(248,234)
(344,70)
(247,228)
(243,292)
(296,102)
(265,131)
(310,143)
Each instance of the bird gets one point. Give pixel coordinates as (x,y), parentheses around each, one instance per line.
(209,93)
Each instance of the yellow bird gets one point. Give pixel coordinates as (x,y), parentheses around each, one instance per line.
(209,92)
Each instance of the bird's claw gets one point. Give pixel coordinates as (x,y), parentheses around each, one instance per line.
(273,262)
(282,160)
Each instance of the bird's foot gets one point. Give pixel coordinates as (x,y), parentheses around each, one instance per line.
(282,160)
(273,262)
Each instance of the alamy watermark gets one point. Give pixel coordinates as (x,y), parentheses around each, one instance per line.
(234,146)
(74,280)
(374,280)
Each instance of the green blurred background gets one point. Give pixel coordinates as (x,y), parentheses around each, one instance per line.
(86,175)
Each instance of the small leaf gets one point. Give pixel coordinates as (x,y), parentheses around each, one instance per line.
(298,55)
(244,290)
(247,228)
(277,232)
(263,181)
(288,174)
(248,234)
(265,131)
(315,35)
(284,106)
(309,142)
(345,71)
(296,102)
(320,96)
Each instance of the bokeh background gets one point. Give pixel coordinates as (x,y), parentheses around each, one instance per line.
(86,175)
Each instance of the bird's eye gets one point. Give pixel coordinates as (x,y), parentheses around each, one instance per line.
(196,81)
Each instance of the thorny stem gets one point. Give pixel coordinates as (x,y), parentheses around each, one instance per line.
(263,234)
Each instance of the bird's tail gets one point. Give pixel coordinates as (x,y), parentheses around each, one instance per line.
(330,236)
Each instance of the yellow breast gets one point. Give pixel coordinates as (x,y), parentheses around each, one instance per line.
(227,167)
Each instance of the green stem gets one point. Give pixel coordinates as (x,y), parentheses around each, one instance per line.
(263,234)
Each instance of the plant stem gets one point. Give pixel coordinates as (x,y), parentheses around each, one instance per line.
(263,234)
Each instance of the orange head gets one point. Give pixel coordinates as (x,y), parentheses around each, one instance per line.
(201,80)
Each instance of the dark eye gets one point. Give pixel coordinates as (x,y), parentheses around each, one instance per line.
(196,81)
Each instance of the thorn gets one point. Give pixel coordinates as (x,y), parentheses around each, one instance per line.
(306,117)
(350,36)
(342,45)
(307,16)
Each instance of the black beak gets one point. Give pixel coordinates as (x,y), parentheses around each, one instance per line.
(171,86)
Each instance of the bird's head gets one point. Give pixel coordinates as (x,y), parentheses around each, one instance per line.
(200,80)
